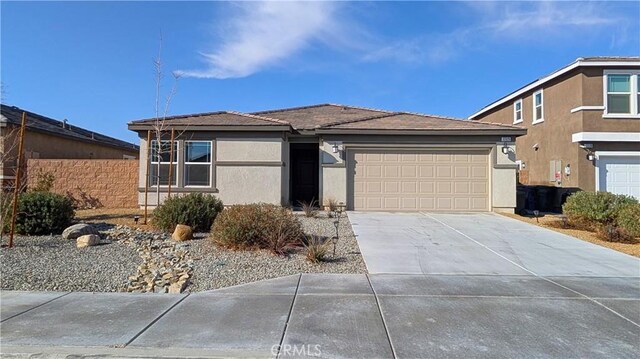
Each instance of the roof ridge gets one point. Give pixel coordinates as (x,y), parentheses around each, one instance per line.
(263,118)
(335,123)
(292,108)
(360,107)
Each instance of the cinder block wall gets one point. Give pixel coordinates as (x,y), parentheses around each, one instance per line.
(101,183)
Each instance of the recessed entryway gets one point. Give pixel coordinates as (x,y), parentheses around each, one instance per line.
(304,172)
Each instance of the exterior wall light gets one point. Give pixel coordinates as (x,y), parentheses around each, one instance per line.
(505,149)
(591,156)
(335,148)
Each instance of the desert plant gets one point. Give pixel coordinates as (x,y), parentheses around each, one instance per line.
(595,209)
(331,205)
(310,209)
(44,181)
(196,210)
(256,226)
(628,220)
(43,213)
(317,248)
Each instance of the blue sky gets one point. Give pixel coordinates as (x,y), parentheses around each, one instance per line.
(92,62)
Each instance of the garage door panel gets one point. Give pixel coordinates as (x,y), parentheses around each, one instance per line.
(409,171)
(443,171)
(620,174)
(409,188)
(427,187)
(425,180)
(426,171)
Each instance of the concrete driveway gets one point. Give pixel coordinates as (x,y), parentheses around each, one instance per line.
(483,243)
(445,286)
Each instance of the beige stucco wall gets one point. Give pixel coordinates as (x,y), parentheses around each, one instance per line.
(249,150)
(503,178)
(250,184)
(246,168)
(333,172)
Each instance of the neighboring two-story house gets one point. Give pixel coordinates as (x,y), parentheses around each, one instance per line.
(583,126)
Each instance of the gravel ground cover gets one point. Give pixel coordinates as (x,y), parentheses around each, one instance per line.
(52,263)
(554,223)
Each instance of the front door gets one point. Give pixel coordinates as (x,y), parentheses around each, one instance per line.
(304,172)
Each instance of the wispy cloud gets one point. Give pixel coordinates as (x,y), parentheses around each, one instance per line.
(255,36)
(261,35)
(503,21)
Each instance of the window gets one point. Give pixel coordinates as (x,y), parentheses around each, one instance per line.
(517,111)
(162,156)
(619,94)
(538,107)
(197,163)
(622,93)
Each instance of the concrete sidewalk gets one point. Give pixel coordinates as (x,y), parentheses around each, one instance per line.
(338,316)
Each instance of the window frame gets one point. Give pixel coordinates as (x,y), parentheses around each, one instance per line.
(515,111)
(175,162)
(634,93)
(533,101)
(210,164)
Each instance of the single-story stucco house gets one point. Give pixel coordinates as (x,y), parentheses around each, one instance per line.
(369,159)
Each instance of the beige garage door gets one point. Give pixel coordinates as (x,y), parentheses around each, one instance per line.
(419,180)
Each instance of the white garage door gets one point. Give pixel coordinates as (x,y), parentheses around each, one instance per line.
(419,180)
(620,175)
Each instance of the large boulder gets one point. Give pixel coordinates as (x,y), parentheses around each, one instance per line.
(78,230)
(182,233)
(88,240)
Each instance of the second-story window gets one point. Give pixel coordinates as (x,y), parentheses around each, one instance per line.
(619,93)
(517,111)
(197,163)
(538,107)
(622,93)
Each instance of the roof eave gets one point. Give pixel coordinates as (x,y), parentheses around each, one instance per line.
(240,128)
(574,65)
(462,132)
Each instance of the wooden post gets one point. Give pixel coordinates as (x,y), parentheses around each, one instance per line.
(170,162)
(146,175)
(17,179)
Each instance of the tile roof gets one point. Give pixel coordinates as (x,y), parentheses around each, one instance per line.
(36,122)
(413,121)
(327,117)
(219,118)
(310,117)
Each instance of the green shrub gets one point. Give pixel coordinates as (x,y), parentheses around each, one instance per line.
(595,209)
(43,213)
(628,220)
(257,226)
(196,210)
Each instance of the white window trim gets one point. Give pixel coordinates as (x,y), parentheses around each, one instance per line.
(533,101)
(174,176)
(598,163)
(515,112)
(633,83)
(210,163)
